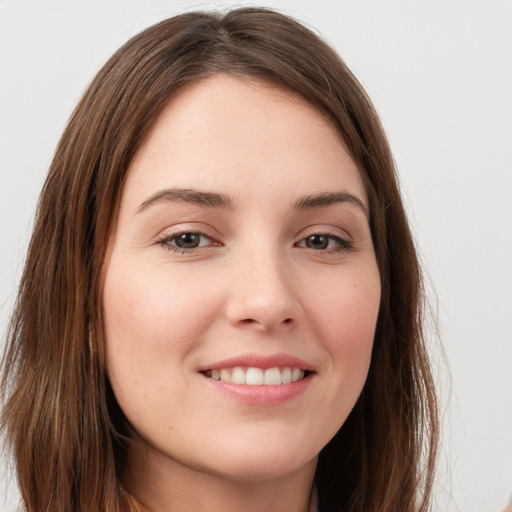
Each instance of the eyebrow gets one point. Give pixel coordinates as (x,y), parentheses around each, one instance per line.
(218,200)
(325,199)
(188,195)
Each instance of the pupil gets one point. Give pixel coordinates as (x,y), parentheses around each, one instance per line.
(187,240)
(317,242)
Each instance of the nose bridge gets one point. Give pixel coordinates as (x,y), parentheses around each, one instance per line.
(263,294)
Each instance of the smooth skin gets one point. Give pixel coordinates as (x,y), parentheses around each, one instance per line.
(243,229)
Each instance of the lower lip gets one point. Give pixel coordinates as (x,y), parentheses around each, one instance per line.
(261,395)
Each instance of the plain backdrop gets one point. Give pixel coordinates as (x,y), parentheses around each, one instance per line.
(440,75)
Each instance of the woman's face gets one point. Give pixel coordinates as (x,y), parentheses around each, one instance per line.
(242,252)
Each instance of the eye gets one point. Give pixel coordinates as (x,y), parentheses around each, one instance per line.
(186,241)
(322,242)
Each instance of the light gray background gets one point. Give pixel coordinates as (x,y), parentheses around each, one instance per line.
(440,74)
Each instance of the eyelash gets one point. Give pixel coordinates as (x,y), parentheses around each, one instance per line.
(343,244)
(165,242)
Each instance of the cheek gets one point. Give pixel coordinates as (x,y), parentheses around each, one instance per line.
(346,315)
(154,319)
(149,308)
(343,312)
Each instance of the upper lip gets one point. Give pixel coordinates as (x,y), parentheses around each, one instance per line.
(258,361)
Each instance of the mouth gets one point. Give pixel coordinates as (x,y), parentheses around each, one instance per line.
(260,380)
(255,376)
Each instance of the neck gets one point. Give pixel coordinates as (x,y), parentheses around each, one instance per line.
(163,485)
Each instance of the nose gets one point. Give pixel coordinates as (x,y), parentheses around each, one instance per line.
(263,295)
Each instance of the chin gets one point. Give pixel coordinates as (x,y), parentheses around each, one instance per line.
(263,460)
(261,470)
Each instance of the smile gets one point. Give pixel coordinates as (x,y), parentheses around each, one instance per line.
(254,376)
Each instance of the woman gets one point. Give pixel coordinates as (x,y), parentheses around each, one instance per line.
(222,304)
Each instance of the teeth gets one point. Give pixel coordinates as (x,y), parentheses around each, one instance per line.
(256,376)
(238,376)
(286,375)
(273,377)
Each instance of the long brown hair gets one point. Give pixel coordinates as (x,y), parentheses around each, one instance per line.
(69,437)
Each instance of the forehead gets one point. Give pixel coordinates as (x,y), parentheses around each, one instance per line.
(232,134)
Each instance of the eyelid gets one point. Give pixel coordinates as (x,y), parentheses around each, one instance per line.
(172,232)
(179,228)
(165,242)
(342,237)
(325,229)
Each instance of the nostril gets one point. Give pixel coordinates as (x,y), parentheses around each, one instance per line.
(252,321)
